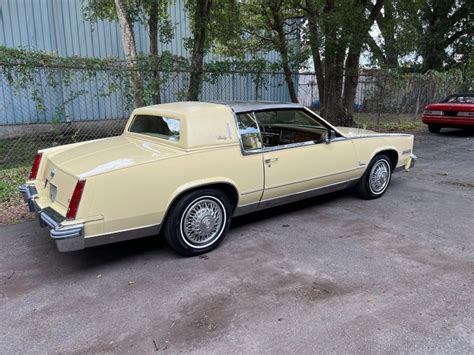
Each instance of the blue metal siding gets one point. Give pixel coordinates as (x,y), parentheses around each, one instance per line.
(58,26)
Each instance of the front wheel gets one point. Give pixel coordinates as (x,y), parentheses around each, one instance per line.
(198,222)
(376,179)
(434,128)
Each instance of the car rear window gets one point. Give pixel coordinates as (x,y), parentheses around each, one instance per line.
(156,126)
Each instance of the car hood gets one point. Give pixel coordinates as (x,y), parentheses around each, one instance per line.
(355,132)
(108,154)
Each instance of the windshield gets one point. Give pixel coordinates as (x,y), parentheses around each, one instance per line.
(460,99)
(156,126)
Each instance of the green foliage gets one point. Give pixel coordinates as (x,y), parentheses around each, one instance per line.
(258,30)
(31,71)
(445,33)
(10,179)
(138,11)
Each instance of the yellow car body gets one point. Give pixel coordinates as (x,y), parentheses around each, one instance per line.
(133,180)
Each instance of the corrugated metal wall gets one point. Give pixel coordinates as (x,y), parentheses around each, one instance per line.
(58,26)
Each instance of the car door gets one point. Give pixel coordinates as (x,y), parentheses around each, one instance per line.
(295,170)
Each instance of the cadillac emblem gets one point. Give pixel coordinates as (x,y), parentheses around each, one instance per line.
(52,173)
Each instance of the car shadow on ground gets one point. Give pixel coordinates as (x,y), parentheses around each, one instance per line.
(455,132)
(157,245)
(288,208)
(119,252)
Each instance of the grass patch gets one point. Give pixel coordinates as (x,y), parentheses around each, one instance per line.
(387,122)
(19,152)
(10,179)
(12,207)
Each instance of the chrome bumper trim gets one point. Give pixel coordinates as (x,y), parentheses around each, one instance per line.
(29,193)
(413,160)
(67,238)
(406,167)
(71,237)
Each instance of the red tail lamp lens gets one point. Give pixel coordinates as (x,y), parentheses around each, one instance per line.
(75,200)
(35,167)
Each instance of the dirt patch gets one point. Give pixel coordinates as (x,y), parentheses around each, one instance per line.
(317,291)
(209,316)
(14,211)
(201,320)
(460,184)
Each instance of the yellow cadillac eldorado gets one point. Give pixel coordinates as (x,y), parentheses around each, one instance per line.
(185,169)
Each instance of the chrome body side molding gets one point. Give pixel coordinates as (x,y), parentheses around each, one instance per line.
(71,237)
(411,164)
(278,201)
(123,235)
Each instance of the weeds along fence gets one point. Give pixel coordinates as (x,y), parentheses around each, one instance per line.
(44,106)
(384,98)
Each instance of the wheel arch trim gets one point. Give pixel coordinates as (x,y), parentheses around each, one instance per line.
(217,183)
(391,151)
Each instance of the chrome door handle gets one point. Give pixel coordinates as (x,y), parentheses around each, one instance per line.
(270,160)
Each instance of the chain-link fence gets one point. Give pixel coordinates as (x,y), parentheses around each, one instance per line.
(390,100)
(47,106)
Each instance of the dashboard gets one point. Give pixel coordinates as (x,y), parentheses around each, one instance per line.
(277,135)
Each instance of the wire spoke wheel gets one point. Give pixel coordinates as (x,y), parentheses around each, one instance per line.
(379,177)
(203,221)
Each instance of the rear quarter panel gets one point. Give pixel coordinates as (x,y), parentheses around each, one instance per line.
(140,195)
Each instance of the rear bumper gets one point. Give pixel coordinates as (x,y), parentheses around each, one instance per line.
(71,236)
(68,237)
(448,121)
(29,193)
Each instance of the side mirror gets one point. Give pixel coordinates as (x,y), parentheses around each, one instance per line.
(330,135)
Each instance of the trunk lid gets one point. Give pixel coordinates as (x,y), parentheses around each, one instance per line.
(63,169)
(451,109)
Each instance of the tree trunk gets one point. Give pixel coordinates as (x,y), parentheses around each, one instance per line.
(352,67)
(283,49)
(130,50)
(201,18)
(331,107)
(153,28)
(386,25)
(351,80)
(315,46)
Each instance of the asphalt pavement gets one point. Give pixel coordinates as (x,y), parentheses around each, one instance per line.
(334,274)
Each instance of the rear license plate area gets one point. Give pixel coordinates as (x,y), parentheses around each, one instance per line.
(53,191)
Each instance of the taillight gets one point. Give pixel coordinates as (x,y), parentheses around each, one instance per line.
(433,112)
(75,200)
(35,167)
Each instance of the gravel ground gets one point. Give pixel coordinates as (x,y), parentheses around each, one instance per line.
(334,274)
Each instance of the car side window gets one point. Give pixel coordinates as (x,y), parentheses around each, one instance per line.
(249,132)
(288,126)
(157,126)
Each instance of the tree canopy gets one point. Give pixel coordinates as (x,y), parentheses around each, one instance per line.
(418,36)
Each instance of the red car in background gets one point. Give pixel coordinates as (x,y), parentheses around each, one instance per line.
(455,111)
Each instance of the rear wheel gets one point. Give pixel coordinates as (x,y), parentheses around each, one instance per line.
(434,128)
(198,222)
(376,179)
